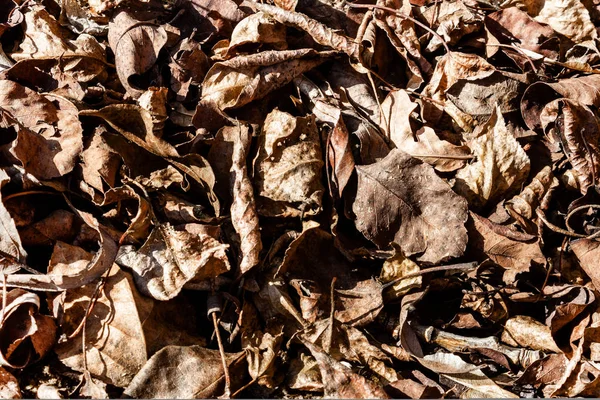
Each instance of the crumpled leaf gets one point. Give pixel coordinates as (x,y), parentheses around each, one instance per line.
(582,89)
(136,45)
(396,267)
(184,372)
(9,386)
(288,166)
(474,382)
(49,137)
(525,331)
(401,200)
(242,79)
(25,335)
(173,256)
(501,166)
(513,255)
(340,382)
(424,144)
(10,241)
(243,208)
(452,21)
(358,297)
(257,30)
(587,252)
(567,17)
(115,345)
(577,127)
(100,164)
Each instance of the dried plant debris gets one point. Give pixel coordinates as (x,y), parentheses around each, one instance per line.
(299,198)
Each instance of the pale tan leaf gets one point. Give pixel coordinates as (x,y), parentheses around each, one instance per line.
(396,267)
(288,166)
(501,166)
(173,256)
(525,331)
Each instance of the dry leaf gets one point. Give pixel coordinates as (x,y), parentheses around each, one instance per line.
(25,335)
(257,30)
(500,168)
(515,256)
(9,386)
(115,345)
(586,251)
(567,17)
(527,332)
(184,372)
(242,79)
(136,46)
(173,256)
(288,166)
(577,127)
(340,382)
(396,267)
(10,241)
(401,200)
(243,208)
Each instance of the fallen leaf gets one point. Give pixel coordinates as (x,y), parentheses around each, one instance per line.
(567,17)
(9,386)
(577,127)
(183,372)
(500,168)
(398,266)
(586,251)
(173,256)
(513,255)
(401,200)
(340,382)
(527,332)
(243,208)
(288,166)
(242,79)
(115,346)
(10,241)
(26,335)
(136,45)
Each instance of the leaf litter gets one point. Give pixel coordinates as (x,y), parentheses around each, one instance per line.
(298,198)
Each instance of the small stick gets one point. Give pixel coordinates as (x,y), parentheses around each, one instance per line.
(227,391)
(444,156)
(452,267)
(555,228)
(575,211)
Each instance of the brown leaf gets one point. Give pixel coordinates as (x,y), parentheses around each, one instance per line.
(243,208)
(100,263)
(257,30)
(527,332)
(262,348)
(10,241)
(577,127)
(288,166)
(339,157)
(99,163)
(321,33)
(242,79)
(396,267)
(358,297)
(115,345)
(501,166)
(587,252)
(582,89)
(136,46)
(173,256)
(567,17)
(340,382)
(26,335)
(49,137)
(401,200)
(515,256)
(397,109)
(184,372)
(9,386)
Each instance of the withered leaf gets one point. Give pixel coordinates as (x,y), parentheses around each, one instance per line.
(9,386)
(527,332)
(242,79)
(567,17)
(288,166)
(340,382)
(173,256)
(587,251)
(243,207)
(184,372)
(10,241)
(257,29)
(136,46)
(402,200)
(577,127)
(501,166)
(515,256)
(50,136)
(25,334)
(115,345)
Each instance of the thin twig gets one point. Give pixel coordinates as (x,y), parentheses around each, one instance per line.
(453,267)
(575,211)
(227,390)
(29,192)
(329,342)
(443,156)
(555,228)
